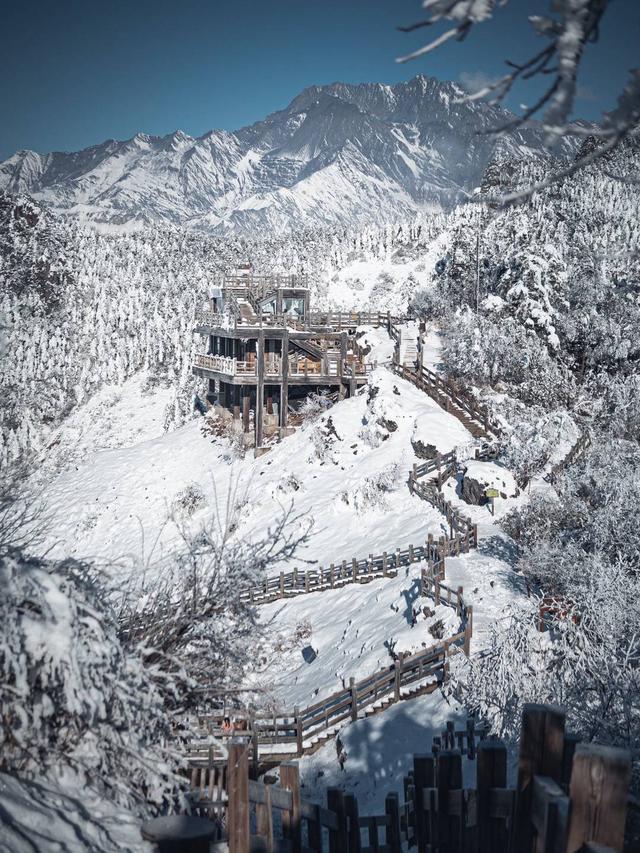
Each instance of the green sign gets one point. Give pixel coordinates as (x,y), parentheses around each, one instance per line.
(492,493)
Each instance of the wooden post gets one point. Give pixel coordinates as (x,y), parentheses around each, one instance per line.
(343,354)
(281,584)
(397,674)
(449,778)
(260,390)
(491,769)
(353,826)
(384,563)
(354,699)
(423,778)
(238,791)
(314,833)
(332,570)
(246,402)
(291,824)
(411,556)
(264,820)
(599,789)
(354,568)
(541,748)
(337,837)
(298,725)
(468,630)
(392,812)
(284,387)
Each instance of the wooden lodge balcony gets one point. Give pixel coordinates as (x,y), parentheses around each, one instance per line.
(301,370)
(207,321)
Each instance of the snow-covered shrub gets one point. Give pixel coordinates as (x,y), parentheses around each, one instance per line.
(323,436)
(373,491)
(189,615)
(429,303)
(587,659)
(76,704)
(533,439)
(314,404)
(188,500)
(484,351)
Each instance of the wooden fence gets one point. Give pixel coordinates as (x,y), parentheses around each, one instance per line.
(453,399)
(583,442)
(568,797)
(299,731)
(354,570)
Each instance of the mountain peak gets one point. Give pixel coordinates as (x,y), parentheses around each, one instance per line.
(340,153)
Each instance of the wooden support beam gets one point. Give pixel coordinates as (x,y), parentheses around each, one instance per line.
(264,820)
(423,778)
(353,823)
(337,837)
(284,387)
(246,402)
(392,812)
(260,390)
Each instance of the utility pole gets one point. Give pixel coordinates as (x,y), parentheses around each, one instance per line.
(478,191)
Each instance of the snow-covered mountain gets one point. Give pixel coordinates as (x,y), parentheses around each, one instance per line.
(338,154)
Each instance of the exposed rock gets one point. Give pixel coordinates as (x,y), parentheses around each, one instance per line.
(424,451)
(389,425)
(473,492)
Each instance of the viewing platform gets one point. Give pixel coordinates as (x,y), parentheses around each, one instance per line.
(261,339)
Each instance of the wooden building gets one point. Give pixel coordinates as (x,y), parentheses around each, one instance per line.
(264,347)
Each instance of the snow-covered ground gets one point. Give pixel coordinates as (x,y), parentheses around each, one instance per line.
(386,283)
(346,470)
(38,816)
(348,476)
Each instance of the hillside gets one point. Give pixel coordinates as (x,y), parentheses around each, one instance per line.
(336,155)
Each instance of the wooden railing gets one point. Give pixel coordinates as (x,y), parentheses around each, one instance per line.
(331,320)
(568,797)
(273,366)
(403,679)
(577,450)
(451,397)
(354,570)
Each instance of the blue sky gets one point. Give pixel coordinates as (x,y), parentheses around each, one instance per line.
(76,73)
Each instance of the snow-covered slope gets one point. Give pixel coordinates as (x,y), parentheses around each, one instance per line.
(349,474)
(338,154)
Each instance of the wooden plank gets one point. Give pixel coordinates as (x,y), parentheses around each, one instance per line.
(291,824)
(337,836)
(264,820)
(392,811)
(491,772)
(353,824)
(541,748)
(423,778)
(449,778)
(549,815)
(599,788)
(238,810)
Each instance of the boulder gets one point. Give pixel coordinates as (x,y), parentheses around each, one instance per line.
(473,491)
(424,451)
